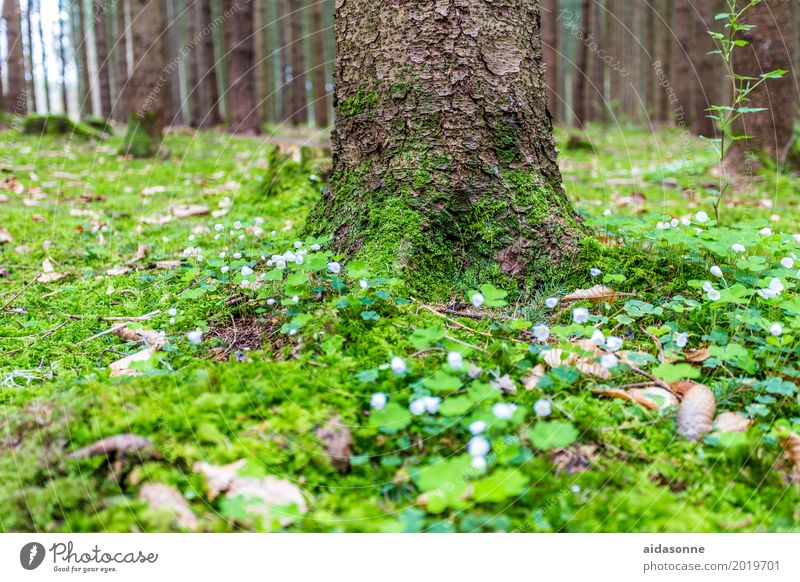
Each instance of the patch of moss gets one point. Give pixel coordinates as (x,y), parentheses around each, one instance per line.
(55,124)
(357,104)
(143,136)
(100,124)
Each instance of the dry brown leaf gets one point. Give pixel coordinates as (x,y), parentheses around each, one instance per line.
(596,293)
(660,398)
(141,253)
(160,496)
(681,387)
(265,493)
(731,422)
(49,274)
(697,356)
(187,210)
(117,271)
(338,442)
(147,336)
(114,445)
(166,264)
(791,445)
(586,364)
(122,367)
(150,190)
(574,459)
(696,413)
(5,236)
(532,379)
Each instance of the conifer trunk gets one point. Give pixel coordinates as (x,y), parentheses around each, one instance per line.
(444,170)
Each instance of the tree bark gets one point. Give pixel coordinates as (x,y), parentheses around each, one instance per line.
(284,38)
(80,40)
(120,109)
(444,164)
(62,54)
(614,33)
(145,93)
(31,65)
(101,48)
(46,77)
(771,48)
(192,62)
(595,108)
(209,110)
(16,95)
(296,78)
(580,84)
(319,60)
(706,77)
(551,57)
(664,59)
(240,50)
(682,65)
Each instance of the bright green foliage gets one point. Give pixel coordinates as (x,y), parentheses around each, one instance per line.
(329,342)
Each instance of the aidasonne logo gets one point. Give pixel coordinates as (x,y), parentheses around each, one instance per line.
(67,558)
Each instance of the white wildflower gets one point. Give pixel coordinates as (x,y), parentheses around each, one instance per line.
(477,299)
(378,401)
(776,329)
(398,365)
(787,262)
(334,267)
(580,315)
(542,407)
(551,302)
(478,427)
(595,272)
(246,271)
(681,339)
(503,410)
(195,336)
(609,360)
(716,271)
(478,447)
(701,217)
(598,338)
(541,332)
(417,407)
(455,360)
(613,343)
(738,248)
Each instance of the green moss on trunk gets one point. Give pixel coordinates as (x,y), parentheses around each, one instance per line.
(143,137)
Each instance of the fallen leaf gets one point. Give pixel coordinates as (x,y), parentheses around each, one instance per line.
(731,422)
(574,459)
(696,412)
(117,271)
(149,191)
(660,398)
(338,442)
(532,379)
(122,367)
(586,364)
(596,293)
(49,274)
(120,444)
(697,356)
(186,210)
(791,445)
(141,253)
(264,493)
(166,264)
(160,496)
(5,236)
(147,336)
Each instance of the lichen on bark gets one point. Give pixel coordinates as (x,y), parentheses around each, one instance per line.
(445,171)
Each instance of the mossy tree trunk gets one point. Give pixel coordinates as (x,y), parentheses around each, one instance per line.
(16,95)
(148,85)
(445,168)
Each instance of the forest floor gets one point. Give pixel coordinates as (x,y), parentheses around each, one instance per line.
(288,394)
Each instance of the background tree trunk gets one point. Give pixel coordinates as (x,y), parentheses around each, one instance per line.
(31,64)
(444,164)
(120,109)
(551,59)
(145,91)
(62,55)
(193,61)
(595,107)
(706,76)
(15,95)
(80,40)
(45,68)
(101,48)
(580,84)
(298,99)
(771,48)
(209,110)
(284,38)
(319,63)
(682,65)
(614,33)
(664,58)
(240,50)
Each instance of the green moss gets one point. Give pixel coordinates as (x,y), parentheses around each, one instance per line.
(100,124)
(143,136)
(53,124)
(506,142)
(357,104)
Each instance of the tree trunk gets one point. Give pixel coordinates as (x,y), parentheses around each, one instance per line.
(145,94)
(16,95)
(320,58)
(62,55)
(614,32)
(580,93)
(664,59)
(46,77)
(259,60)
(272,87)
(31,65)
(172,95)
(101,48)
(682,65)
(595,108)
(208,113)
(298,99)
(120,110)
(240,51)
(80,44)
(444,164)
(193,61)
(771,48)
(706,76)
(551,59)
(284,38)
